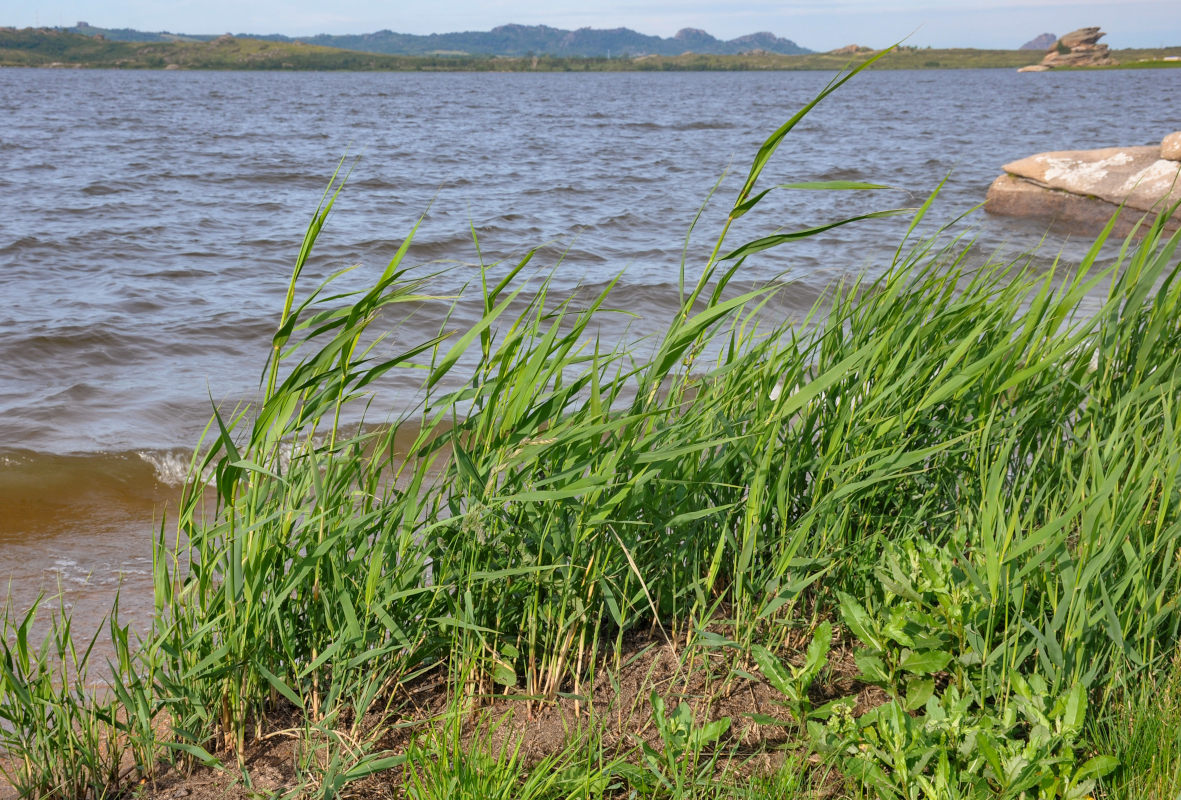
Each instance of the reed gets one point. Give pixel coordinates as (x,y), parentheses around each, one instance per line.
(949,470)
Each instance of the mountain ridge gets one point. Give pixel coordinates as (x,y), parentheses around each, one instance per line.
(504,40)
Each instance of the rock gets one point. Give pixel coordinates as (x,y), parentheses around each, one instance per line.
(1170,147)
(1010,196)
(1086,56)
(1035,68)
(849,50)
(1084,187)
(1079,48)
(1083,36)
(1136,176)
(1043,42)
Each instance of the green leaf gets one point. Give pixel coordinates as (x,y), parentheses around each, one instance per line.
(895,629)
(657,706)
(987,748)
(918,692)
(871,667)
(503,673)
(370,766)
(1076,709)
(709,733)
(773,671)
(444,365)
(197,752)
(828,709)
(280,686)
(925,662)
(859,621)
(817,653)
(682,716)
(742,208)
(767,242)
(1097,767)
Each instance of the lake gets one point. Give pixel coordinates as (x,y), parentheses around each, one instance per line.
(151,220)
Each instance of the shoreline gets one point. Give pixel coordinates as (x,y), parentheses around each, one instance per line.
(52,49)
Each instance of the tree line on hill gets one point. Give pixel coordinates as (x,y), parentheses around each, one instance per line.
(504,40)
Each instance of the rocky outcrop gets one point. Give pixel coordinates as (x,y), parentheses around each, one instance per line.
(1079,48)
(1043,42)
(1083,188)
(850,50)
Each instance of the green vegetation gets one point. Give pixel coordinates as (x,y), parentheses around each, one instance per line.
(922,546)
(902,58)
(1131,55)
(1148,63)
(32,48)
(1144,733)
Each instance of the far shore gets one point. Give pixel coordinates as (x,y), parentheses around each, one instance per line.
(54,49)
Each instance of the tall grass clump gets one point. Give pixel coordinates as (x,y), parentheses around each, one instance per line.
(59,737)
(1143,729)
(949,472)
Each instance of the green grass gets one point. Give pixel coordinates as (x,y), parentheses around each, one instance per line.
(965,482)
(39,48)
(902,58)
(1146,64)
(1143,729)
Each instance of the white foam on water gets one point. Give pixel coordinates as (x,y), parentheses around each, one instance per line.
(171,467)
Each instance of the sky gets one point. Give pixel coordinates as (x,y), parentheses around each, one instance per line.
(816,24)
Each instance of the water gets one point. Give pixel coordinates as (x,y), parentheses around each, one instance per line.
(150,221)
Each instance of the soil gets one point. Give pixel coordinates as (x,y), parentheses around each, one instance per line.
(617,703)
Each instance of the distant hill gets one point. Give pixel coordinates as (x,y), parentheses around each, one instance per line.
(132,35)
(1043,42)
(505,40)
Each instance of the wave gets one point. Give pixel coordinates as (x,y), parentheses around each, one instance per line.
(100,188)
(22,244)
(129,475)
(698,125)
(169,467)
(31,252)
(90,344)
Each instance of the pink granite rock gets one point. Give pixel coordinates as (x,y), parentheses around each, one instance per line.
(1170,147)
(1135,176)
(1083,36)
(1082,189)
(1079,48)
